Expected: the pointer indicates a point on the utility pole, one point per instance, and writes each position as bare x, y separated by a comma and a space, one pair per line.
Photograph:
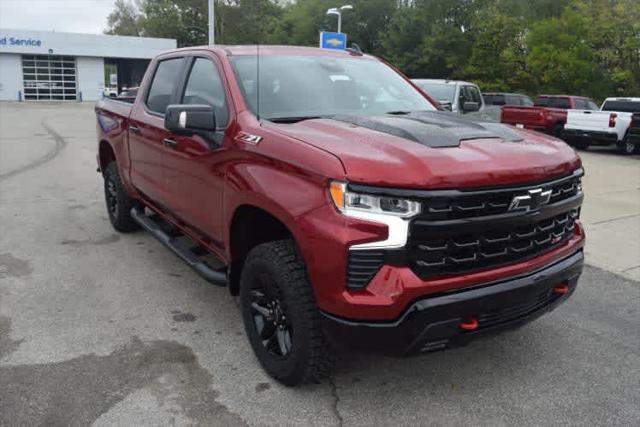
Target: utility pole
212, 24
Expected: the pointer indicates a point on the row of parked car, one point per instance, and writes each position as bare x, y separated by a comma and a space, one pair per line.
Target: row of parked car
576, 119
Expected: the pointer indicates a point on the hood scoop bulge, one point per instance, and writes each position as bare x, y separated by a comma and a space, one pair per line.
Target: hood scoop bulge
432, 129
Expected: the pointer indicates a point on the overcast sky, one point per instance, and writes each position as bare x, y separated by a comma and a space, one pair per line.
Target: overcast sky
74, 16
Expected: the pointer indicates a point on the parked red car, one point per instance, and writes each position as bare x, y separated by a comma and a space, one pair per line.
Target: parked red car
342, 207
548, 115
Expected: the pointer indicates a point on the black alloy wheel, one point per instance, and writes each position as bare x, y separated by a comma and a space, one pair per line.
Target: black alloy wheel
270, 317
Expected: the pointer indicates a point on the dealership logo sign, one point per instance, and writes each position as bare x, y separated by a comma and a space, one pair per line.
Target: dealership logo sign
531, 201
16, 41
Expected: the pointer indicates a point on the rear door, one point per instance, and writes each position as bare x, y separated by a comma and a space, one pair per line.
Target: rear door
193, 167
147, 132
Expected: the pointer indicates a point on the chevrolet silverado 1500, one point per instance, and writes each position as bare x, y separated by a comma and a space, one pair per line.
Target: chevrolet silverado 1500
610, 125
548, 115
329, 193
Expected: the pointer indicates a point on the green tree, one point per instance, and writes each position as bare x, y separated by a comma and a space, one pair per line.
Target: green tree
497, 59
124, 20
560, 57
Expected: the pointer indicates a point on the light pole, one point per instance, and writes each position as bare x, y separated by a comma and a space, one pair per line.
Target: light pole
212, 23
338, 11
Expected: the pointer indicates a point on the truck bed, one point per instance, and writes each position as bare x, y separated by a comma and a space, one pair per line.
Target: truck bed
535, 118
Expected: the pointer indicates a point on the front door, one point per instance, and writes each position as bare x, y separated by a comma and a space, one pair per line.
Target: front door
193, 167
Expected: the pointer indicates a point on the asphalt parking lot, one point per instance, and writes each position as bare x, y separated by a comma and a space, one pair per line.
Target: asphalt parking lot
98, 327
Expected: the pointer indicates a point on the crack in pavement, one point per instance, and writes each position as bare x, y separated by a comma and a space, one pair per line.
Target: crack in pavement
615, 219
336, 402
60, 143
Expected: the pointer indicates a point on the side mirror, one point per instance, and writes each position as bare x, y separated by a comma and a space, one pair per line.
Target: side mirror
185, 119
470, 107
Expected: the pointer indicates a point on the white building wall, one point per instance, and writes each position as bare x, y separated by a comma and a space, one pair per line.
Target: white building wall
10, 76
96, 45
90, 77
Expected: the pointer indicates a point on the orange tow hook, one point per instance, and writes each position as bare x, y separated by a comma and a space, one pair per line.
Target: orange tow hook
561, 289
470, 324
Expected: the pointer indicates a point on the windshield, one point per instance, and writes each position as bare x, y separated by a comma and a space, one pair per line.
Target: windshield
440, 91
622, 106
315, 86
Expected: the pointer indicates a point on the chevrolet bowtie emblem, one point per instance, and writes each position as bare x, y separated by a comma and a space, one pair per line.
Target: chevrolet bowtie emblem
531, 201
334, 42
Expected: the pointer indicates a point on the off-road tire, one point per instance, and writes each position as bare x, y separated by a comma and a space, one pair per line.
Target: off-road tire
309, 359
120, 214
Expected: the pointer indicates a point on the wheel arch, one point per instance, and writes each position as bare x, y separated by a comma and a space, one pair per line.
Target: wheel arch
251, 225
106, 155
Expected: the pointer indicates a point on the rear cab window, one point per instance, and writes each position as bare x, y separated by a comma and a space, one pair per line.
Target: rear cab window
553, 102
623, 106
494, 99
165, 79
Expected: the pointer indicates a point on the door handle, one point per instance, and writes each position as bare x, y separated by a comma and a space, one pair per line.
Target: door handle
134, 129
170, 142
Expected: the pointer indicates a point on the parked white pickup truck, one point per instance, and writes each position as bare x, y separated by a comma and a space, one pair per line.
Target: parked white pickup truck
607, 126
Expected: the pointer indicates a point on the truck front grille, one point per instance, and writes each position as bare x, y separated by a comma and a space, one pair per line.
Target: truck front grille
465, 231
471, 204
494, 245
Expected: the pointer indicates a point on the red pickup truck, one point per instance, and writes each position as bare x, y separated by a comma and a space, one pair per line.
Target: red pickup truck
343, 208
548, 115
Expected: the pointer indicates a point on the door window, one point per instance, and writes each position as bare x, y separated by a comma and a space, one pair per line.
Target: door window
204, 86
581, 104
513, 100
591, 105
164, 81
526, 101
469, 94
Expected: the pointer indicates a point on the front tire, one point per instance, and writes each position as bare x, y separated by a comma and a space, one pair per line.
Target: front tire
118, 202
280, 314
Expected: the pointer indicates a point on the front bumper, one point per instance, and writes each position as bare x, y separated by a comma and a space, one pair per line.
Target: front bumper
435, 322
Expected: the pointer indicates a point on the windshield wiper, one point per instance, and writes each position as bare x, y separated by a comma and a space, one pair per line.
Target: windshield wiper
293, 119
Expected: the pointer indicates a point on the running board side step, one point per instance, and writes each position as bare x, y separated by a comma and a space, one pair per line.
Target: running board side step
218, 278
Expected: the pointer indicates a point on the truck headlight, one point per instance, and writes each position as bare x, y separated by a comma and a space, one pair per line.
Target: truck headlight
392, 211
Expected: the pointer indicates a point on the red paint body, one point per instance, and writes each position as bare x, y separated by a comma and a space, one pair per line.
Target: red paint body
542, 119
287, 174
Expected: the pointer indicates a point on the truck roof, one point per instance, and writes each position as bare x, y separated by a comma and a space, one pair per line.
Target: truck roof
444, 81
623, 98
562, 96
238, 50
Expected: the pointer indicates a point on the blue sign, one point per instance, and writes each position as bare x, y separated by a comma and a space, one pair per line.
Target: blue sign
333, 40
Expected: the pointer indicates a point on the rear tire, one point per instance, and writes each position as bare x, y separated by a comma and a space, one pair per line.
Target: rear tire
280, 314
627, 147
118, 202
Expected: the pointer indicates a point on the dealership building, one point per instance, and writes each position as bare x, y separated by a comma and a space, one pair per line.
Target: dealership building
52, 66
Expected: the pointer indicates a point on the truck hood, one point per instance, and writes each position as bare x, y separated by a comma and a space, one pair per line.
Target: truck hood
434, 150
